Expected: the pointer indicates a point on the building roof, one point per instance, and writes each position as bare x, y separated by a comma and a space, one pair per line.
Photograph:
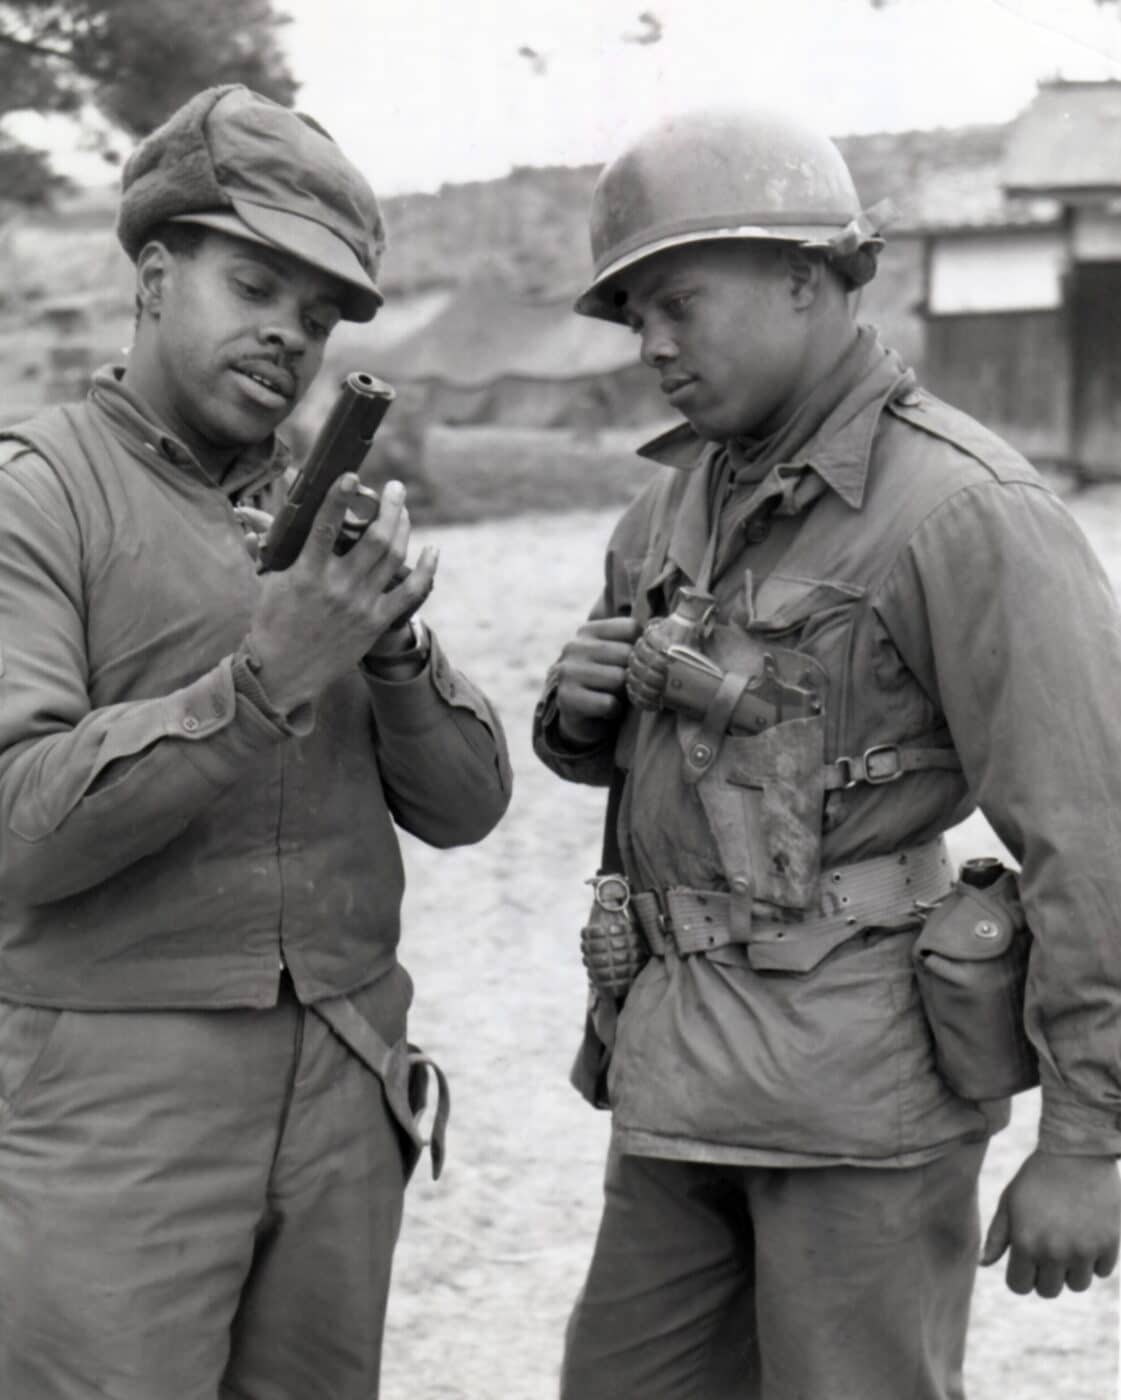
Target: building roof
943, 179
1067, 141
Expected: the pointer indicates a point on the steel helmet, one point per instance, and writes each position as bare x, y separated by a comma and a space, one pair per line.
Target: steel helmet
726, 173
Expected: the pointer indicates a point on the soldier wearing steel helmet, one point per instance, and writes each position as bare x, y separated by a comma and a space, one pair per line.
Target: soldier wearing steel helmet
841, 616
207, 1099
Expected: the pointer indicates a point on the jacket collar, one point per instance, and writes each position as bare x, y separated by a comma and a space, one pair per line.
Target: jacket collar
136, 425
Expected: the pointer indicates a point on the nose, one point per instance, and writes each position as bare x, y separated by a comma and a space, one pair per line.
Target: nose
658, 346
284, 331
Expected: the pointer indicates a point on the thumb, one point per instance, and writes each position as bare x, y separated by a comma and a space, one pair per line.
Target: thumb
996, 1241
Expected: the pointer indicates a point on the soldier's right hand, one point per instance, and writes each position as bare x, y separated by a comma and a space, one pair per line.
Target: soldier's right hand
592, 675
315, 620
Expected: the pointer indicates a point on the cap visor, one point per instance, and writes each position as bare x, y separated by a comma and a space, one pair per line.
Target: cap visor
302, 238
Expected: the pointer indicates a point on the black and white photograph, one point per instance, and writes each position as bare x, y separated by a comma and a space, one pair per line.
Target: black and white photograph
560, 760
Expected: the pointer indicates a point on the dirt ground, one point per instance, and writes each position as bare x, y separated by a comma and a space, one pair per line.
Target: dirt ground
492, 1255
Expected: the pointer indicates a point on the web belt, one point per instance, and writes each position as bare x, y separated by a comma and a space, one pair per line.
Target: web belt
877, 893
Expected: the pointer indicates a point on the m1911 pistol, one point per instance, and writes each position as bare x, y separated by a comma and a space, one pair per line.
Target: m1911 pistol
340, 446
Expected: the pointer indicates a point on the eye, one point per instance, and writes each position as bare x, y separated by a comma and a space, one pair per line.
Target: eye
252, 289
676, 304
320, 324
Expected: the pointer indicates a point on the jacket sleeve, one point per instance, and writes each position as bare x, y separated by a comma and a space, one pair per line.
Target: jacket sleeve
441, 753
85, 792
1003, 612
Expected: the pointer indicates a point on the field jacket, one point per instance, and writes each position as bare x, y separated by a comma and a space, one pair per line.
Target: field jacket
952, 603
164, 841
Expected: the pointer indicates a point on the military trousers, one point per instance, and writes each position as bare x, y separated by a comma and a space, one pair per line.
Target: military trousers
195, 1205
756, 1283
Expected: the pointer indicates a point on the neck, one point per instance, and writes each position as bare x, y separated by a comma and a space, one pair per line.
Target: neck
145, 379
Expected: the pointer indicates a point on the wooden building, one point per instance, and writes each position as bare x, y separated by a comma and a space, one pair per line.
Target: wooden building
1022, 300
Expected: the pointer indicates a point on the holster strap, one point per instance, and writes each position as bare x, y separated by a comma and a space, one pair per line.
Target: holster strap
883, 892
393, 1065
708, 739
884, 763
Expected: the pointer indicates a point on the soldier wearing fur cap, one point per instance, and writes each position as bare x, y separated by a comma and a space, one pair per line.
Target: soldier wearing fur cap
842, 616
207, 1100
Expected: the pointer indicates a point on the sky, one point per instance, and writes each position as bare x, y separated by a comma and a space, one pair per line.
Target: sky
423, 92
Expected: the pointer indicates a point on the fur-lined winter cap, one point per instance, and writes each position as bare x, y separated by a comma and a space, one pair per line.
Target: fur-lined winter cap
238, 162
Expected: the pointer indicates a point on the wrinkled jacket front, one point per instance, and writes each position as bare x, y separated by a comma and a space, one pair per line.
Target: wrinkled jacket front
163, 841
952, 603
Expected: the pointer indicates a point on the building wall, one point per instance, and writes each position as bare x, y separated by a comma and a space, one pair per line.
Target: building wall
1010, 370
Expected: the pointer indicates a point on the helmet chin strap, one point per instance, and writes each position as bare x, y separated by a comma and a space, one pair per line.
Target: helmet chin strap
854, 250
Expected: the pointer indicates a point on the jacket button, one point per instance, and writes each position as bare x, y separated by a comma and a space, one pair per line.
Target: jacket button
741, 886
700, 754
190, 723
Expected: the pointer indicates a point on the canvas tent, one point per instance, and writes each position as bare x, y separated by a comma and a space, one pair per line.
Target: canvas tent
491, 356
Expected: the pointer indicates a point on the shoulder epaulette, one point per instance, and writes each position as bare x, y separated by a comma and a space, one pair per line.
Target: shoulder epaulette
940, 420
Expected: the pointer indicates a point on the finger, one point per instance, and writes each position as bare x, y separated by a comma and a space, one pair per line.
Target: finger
250, 518
1105, 1263
613, 629
588, 704
610, 654
996, 1241
591, 675
378, 537
1079, 1276
1020, 1275
1049, 1278
328, 520
407, 596
641, 669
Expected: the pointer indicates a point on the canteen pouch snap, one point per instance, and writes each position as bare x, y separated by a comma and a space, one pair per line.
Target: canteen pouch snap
971, 963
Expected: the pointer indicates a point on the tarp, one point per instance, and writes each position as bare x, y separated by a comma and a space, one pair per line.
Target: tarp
486, 334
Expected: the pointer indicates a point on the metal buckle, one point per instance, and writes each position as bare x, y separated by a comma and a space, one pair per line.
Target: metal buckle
859, 770
879, 751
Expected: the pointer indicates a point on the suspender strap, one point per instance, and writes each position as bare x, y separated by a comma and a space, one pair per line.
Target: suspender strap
884, 763
394, 1066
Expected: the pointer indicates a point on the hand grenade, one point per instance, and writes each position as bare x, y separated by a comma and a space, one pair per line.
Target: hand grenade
611, 943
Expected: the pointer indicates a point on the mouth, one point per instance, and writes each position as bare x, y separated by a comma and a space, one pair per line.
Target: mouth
267, 383
675, 384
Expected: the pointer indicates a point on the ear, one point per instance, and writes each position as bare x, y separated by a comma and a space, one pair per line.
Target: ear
805, 275
152, 266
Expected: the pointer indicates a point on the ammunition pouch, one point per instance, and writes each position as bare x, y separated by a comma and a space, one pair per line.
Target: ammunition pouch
971, 962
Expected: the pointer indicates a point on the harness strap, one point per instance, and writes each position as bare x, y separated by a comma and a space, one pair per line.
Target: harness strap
882, 892
708, 739
884, 763
394, 1065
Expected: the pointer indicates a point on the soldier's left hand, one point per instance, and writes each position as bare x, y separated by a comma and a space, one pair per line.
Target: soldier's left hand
1059, 1218
646, 674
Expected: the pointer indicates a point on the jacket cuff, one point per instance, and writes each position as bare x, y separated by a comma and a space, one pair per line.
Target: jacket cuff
1072, 1127
550, 740
247, 684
